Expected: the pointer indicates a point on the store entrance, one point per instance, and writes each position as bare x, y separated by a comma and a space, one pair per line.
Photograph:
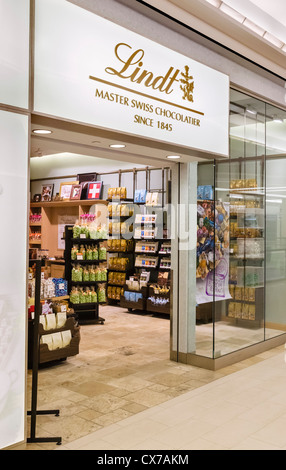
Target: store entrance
100, 227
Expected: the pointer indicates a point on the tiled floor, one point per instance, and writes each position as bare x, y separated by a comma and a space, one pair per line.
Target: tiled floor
123, 380
242, 411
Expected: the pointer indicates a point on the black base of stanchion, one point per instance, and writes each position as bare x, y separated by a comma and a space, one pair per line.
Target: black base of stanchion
58, 440
34, 440
45, 412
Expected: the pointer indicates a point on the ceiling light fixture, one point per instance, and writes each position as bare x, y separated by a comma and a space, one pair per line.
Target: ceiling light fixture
273, 40
215, 3
117, 146
253, 27
277, 119
173, 157
41, 131
250, 109
235, 15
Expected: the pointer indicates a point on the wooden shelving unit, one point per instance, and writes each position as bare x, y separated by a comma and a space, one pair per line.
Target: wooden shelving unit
52, 212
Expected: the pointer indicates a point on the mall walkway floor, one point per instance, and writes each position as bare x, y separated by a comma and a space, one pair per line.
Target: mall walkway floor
245, 410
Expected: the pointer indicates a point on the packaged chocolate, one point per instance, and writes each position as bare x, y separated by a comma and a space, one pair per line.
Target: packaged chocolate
251, 294
231, 309
251, 310
245, 311
237, 293
238, 310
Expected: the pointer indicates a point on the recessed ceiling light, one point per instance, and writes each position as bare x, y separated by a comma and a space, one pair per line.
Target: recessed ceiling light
250, 109
117, 146
41, 131
253, 27
232, 13
270, 38
174, 157
215, 3
277, 119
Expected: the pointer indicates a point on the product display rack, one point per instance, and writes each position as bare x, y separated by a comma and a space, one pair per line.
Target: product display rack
246, 282
115, 245
153, 252
84, 309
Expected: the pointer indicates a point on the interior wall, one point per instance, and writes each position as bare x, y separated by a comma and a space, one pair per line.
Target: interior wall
54, 169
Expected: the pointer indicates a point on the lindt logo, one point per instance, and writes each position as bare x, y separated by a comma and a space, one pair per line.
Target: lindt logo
133, 70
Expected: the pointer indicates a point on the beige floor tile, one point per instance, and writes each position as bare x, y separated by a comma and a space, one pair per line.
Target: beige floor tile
184, 433
134, 407
89, 414
169, 379
90, 388
97, 445
132, 435
118, 372
113, 417
273, 433
130, 383
232, 432
147, 397
254, 444
202, 444
105, 403
69, 428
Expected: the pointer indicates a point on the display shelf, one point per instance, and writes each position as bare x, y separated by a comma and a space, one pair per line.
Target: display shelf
121, 200
115, 285
81, 309
88, 240
46, 355
81, 202
86, 306
244, 311
87, 283
151, 307
140, 305
87, 261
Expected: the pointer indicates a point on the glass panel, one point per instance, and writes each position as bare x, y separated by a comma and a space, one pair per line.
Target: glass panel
239, 230
205, 265
275, 316
13, 269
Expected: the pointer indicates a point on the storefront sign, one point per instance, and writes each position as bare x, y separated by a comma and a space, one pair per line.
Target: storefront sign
91, 70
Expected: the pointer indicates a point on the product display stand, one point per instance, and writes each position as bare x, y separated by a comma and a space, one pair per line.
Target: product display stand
34, 412
84, 308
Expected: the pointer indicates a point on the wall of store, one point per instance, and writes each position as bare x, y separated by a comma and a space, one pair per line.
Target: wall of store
54, 169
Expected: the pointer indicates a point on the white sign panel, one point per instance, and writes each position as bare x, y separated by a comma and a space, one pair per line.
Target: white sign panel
14, 52
13, 271
91, 70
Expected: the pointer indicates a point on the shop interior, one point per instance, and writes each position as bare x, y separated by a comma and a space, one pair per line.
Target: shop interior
105, 280
106, 284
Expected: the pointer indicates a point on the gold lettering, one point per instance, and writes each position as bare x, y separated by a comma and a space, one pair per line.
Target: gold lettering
162, 83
